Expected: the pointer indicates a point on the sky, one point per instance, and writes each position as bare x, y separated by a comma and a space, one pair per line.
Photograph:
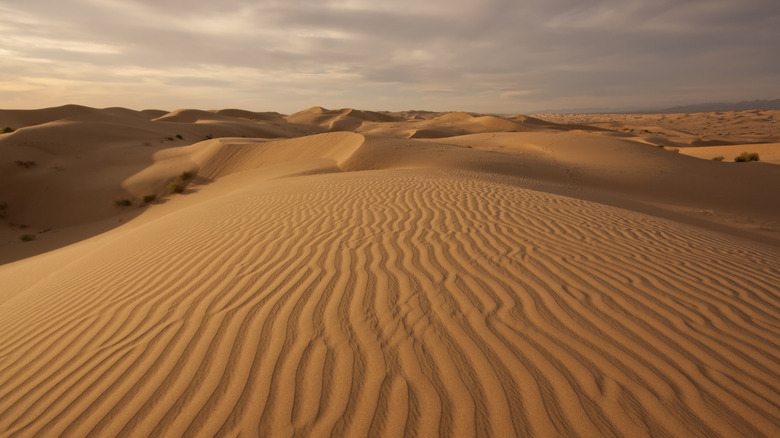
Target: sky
493, 56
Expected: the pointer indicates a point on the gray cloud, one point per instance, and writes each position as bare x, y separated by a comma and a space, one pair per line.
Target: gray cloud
494, 55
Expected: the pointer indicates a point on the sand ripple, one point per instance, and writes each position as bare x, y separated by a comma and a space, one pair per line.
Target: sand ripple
398, 302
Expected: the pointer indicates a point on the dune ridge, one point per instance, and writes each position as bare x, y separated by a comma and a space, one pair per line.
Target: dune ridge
556, 282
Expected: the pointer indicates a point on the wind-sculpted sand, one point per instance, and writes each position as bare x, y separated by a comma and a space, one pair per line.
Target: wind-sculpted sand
346, 284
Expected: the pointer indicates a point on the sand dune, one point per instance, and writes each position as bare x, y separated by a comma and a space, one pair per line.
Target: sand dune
697, 129
251, 115
420, 124
594, 165
20, 119
84, 159
346, 119
548, 281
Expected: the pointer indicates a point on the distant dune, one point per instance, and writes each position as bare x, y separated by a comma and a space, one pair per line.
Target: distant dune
726, 106
359, 273
703, 135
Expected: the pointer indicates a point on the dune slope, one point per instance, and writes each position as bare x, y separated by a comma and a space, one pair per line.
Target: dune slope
67, 167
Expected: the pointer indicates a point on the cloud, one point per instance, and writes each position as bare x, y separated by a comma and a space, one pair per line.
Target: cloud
492, 55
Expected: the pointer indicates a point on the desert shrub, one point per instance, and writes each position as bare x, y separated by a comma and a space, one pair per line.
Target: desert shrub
209, 137
675, 150
184, 176
8, 129
123, 202
745, 156
26, 164
27, 237
149, 198
719, 158
176, 187
169, 138
179, 137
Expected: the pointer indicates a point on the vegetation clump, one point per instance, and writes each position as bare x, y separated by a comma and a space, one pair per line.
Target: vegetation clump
185, 176
745, 156
25, 164
176, 187
719, 158
7, 130
149, 198
27, 237
123, 202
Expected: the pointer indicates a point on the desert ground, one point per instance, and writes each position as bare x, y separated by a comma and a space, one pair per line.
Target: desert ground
357, 273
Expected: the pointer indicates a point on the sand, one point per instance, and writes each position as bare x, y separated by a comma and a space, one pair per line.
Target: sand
357, 273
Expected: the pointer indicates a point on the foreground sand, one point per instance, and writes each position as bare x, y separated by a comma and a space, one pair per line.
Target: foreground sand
507, 277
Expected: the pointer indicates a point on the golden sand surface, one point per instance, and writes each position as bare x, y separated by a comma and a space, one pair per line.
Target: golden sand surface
359, 273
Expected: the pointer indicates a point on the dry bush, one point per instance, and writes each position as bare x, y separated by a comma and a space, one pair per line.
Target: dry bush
747, 156
176, 187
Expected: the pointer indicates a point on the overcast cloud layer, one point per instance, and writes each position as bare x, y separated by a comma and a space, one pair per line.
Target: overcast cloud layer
504, 56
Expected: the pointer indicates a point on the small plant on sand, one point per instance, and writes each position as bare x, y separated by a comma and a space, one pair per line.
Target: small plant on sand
719, 158
149, 198
185, 176
123, 202
176, 187
27, 237
745, 156
209, 137
179, 137
7, 130
25, 164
